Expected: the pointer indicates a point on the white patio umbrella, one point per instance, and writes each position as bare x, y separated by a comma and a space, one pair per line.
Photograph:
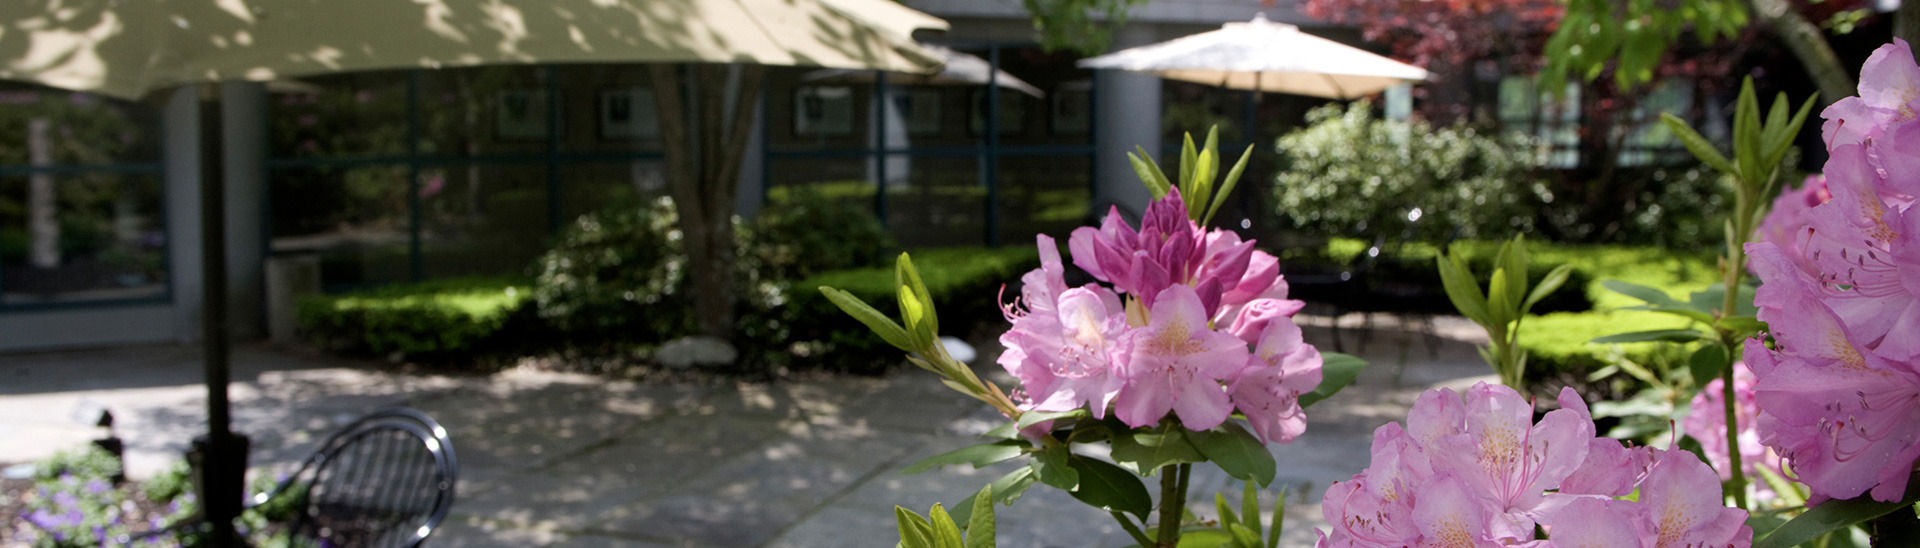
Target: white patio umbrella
130, 48
961, 69
1265, 56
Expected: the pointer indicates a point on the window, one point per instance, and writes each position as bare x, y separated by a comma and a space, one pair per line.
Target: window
81, 206
1554, 121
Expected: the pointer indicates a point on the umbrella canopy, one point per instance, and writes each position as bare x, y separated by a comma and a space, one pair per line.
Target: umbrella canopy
960, 70
128, 48
1262, 55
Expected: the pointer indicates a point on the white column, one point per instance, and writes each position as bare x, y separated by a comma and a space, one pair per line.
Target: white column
1127, 114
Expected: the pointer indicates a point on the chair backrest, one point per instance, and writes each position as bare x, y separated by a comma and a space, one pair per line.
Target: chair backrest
387, 480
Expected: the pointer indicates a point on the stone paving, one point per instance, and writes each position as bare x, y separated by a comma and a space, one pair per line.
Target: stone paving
550, 459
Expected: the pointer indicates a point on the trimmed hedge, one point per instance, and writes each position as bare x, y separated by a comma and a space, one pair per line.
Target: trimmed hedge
445, 319
965, 283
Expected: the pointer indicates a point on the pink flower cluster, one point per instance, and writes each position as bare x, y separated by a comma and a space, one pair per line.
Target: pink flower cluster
1839, 390
1473, 469
1197, 323
1707, 423
1786, 222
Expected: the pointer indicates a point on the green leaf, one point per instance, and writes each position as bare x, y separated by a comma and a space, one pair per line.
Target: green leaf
1461, 288
1499, 309
1150, 448
1834, 515
1004, 431
1226, 187
1109, 487
1698, 145
1031, 418
1549, 284
1149, 173
946, 534
1659, 301
1743, 324
1279, 520
980, 525
1004, 490
1243, 536
915, 532
1336, 372
906, 275
1237, 452
1656, 335
1205, 538
1202, 191
874, 320
915, 317
1746, 135
1250, 507
1707, 363
1710, 300
1789, 492
976, 455
1513, 259
1189, 159
1050, 465
1226, 514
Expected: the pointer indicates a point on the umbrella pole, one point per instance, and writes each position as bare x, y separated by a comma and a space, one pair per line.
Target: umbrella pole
219, 456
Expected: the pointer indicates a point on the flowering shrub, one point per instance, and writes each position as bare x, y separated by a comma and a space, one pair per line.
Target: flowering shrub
1184, 328
1839, 387
1473, 469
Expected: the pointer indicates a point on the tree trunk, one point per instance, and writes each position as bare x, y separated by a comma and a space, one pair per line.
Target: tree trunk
43, 223
1906, 22
1810, 46
703, 174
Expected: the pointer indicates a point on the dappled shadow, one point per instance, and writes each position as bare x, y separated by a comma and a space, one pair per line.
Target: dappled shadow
129, 48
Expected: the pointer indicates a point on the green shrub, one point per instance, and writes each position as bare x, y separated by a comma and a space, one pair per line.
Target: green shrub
1348, 173
617, 274
438, 320
965, 284
808, 233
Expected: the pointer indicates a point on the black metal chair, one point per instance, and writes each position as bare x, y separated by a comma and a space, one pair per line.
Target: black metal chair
386, 480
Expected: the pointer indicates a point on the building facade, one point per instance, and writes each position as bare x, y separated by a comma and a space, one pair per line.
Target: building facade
372, 178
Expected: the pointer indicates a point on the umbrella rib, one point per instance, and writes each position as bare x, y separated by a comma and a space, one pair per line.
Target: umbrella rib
1339, 91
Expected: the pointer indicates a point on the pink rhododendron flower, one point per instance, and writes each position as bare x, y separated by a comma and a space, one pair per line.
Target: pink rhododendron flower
1707, 423
1281, 368
1678, 507
1164, 251
1889, 94
1867, 256
1171, 336
1473, 470
1060, 347
1844, 418
1786, 222
1176, 364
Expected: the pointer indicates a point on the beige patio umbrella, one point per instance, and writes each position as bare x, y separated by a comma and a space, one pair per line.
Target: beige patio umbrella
129, 48
1265, 56
959, 69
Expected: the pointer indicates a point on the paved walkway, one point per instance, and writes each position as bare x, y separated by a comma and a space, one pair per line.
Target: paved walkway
552, 459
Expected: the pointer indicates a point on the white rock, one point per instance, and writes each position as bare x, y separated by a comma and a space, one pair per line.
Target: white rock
687, 352
959, 349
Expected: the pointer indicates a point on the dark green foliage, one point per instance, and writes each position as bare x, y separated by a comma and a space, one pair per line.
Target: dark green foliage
809, 233
617, 274
962, 282
442, 320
